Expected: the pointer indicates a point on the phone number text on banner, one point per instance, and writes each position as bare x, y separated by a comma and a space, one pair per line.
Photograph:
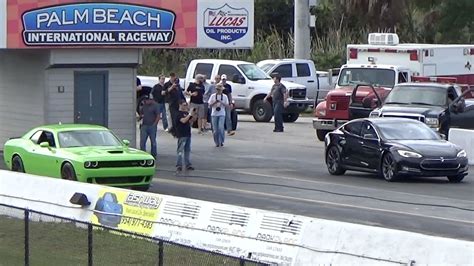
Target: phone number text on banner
125, 210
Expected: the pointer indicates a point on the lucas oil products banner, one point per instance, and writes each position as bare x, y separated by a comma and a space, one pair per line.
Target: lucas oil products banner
127, 210
129, 23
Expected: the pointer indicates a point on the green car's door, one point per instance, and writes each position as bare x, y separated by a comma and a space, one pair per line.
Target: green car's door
43, 160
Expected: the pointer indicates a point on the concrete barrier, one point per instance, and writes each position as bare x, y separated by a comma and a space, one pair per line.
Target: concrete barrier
279, 238
465, 139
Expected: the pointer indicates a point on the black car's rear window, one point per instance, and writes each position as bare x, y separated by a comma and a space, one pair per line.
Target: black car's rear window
406, 131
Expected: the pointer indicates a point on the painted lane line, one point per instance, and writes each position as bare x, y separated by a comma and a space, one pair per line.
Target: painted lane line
307, 200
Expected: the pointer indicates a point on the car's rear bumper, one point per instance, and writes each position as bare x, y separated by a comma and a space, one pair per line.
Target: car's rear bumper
118, 177
327, 124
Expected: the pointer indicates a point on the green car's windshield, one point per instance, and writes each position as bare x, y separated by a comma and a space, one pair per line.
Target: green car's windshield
85, 138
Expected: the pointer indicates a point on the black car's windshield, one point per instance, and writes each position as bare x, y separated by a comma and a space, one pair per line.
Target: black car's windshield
253, 72
420, 95
374, 76
407, 131
84, 138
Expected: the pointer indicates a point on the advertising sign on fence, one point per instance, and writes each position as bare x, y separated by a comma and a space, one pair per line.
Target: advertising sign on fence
128, 23
127, 210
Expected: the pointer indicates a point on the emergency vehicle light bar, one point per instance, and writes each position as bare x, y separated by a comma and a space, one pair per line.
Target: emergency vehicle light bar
383, 39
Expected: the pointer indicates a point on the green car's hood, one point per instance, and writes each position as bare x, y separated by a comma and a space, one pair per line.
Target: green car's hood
108, 153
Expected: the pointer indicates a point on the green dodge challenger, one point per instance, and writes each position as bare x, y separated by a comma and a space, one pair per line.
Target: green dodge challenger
85, 153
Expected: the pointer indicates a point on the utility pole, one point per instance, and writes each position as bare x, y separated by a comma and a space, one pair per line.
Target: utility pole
302, 39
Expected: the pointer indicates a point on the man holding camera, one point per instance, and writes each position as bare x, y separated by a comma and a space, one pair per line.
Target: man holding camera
196, 91
218, 102
174, 95
159, 94
184, 120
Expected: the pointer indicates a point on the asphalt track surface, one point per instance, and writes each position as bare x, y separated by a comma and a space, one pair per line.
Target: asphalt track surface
285, 172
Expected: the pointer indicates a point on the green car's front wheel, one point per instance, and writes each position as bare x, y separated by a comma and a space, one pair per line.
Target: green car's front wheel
17, 164
68, 172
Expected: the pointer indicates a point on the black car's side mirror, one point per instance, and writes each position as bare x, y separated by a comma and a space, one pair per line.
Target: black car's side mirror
369, 136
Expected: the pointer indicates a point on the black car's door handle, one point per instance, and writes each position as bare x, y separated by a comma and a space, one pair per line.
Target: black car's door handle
310, 81
361, 142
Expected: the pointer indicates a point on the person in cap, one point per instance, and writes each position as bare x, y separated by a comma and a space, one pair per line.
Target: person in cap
184, 120
150, 116
228, 92
218, 102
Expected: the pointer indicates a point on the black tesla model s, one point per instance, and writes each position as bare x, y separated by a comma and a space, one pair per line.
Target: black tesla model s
393, 148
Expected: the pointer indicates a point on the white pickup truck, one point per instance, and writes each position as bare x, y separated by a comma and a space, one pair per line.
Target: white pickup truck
250, 85
301, 71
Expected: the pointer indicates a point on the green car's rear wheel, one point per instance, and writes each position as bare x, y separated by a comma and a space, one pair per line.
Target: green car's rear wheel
17, 164
68, 172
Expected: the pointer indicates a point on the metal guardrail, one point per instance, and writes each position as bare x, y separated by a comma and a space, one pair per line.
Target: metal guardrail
55, 240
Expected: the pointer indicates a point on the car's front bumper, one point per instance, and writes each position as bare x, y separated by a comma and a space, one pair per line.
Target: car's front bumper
118, 176
420, 167
327, 124
298, 105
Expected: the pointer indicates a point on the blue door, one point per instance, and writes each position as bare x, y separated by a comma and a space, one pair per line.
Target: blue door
90, 101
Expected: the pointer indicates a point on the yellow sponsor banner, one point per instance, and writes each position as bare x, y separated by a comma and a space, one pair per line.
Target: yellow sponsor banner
126, 210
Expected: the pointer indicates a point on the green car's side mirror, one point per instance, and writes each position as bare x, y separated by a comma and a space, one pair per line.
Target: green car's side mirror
44, 144
126, 142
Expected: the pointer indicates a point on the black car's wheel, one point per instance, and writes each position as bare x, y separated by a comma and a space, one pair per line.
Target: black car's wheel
141, 188
290, 117
389, 168
262, 111
17, 164
321, 134
455, 178
68, 172
333, 161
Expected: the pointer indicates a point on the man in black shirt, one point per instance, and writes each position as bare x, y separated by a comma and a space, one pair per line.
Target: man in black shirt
159, 94
173, 96
184, 120
196, 91
228, 109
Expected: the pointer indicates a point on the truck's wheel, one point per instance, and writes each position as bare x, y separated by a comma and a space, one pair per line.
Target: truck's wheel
290, 117
262, 111
321, 134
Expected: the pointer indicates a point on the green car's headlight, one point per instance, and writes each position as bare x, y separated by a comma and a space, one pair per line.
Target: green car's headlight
91, 164
150, 162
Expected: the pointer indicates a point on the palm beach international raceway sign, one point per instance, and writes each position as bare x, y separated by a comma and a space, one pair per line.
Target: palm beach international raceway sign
129, 23
98, 23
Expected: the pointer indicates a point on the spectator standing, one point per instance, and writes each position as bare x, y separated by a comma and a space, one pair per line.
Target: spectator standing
159, 95
174, 94
205, 99
183, 133
279, 97
196, 91
228, 109
218, 102
209, 91
150, 116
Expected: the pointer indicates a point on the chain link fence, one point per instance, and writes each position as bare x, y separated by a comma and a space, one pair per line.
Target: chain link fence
28, 237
